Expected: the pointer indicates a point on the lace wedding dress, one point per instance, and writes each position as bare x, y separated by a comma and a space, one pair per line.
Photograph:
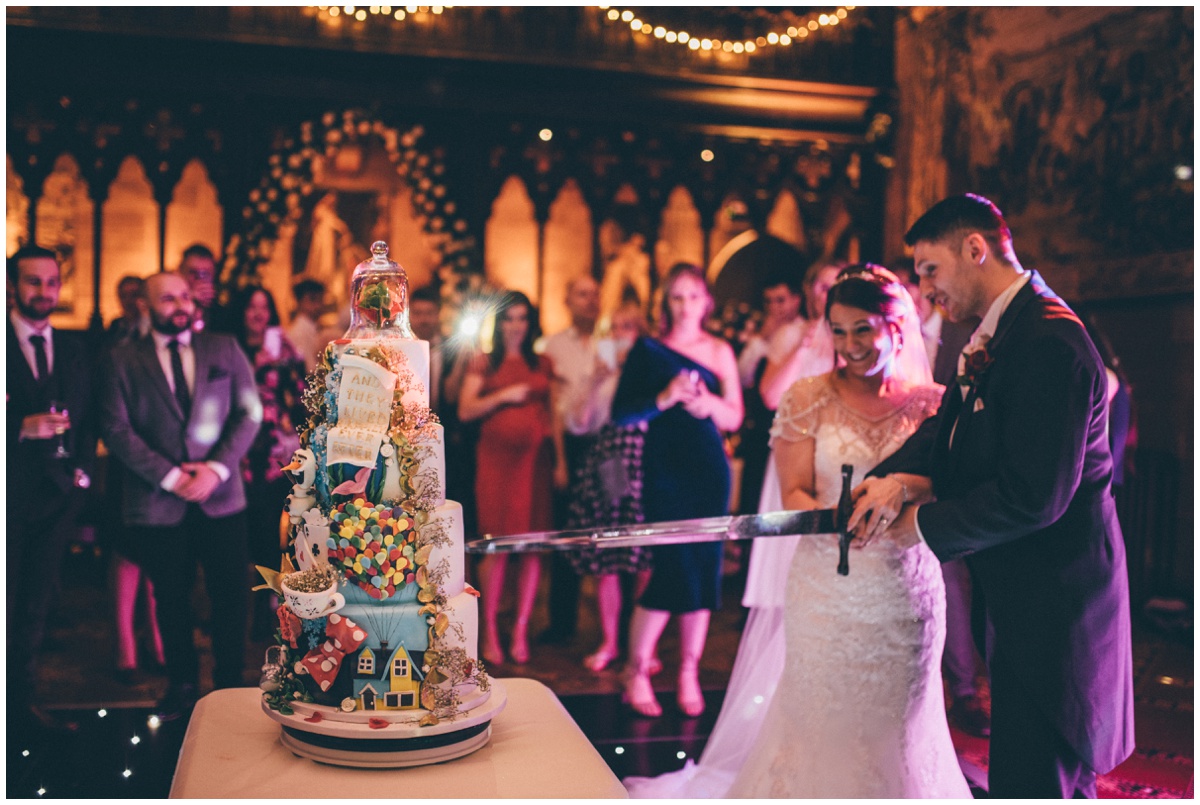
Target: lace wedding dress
858, 711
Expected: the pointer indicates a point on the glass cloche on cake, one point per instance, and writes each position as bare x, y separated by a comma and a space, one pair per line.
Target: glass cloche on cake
379, 298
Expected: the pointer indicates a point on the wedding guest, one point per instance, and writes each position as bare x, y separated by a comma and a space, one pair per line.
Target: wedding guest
199, 267
802, 348
1122, 429
1022, 472
782, 300
424, 316
509, 390
51, 447
606, 489
462, 438
131, 324
279, 376
180, 410
128, 581
572, 354
304, 332
685, 387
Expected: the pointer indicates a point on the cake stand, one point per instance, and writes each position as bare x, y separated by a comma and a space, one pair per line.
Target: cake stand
349, 739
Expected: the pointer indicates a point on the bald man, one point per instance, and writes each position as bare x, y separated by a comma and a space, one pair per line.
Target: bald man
179, 411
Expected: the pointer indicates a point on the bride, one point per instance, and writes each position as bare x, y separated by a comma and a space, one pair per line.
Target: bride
856, 658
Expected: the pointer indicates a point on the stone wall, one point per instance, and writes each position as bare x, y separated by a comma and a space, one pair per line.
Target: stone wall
1078, 123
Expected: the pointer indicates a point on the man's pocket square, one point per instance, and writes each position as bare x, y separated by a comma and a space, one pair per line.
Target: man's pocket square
978, 405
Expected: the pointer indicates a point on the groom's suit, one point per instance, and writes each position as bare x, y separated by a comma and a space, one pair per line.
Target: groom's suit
1023, 492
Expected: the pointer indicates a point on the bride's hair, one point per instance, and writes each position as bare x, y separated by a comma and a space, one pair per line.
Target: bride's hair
876, 290
872, 288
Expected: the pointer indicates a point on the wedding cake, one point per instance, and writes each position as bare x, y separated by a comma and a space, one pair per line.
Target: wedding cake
375, 662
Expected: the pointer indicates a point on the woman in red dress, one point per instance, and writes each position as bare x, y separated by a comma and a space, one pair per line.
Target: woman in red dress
508, 390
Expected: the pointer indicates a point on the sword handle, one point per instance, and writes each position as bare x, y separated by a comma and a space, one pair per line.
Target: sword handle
844, 509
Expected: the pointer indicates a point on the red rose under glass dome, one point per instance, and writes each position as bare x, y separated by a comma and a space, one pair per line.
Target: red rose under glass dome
379, 298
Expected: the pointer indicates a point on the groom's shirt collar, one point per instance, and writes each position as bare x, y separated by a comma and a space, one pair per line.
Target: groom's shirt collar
991, 319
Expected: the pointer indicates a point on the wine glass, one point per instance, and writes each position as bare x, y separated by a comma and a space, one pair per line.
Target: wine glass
60, 449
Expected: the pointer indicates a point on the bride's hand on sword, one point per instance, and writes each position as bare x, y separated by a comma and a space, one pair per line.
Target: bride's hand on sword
877, 502
880, 510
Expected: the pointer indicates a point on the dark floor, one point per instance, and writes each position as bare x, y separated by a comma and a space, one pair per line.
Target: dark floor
118, 754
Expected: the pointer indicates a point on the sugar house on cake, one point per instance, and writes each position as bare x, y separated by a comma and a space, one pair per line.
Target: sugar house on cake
387, 679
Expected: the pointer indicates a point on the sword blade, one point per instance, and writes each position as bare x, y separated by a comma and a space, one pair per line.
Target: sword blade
674, 532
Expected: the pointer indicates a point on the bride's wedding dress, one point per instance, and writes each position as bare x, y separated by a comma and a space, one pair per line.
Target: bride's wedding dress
858, 711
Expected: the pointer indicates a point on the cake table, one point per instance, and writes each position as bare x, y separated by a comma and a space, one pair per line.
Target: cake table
536, 750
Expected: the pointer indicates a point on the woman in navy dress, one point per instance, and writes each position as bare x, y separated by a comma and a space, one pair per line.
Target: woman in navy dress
685, 387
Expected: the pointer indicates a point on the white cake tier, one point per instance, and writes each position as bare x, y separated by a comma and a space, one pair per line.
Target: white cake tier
463, 610
415, 352
431, 479
450, 517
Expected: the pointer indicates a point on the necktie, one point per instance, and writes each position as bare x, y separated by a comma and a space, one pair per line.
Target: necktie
181, 389
39, 356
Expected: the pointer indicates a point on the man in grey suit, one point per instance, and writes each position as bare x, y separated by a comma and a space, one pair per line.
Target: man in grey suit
179, 410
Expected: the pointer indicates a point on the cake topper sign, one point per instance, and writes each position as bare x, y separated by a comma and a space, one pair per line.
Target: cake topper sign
364, 412
365, 395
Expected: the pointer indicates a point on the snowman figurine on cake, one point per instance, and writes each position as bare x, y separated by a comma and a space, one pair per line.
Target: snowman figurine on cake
378, 630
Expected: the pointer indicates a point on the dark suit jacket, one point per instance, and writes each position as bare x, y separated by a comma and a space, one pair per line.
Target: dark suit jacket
1024, 494
144, 427
30, 466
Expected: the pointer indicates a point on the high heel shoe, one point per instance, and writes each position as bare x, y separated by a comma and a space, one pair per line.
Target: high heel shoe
639, 695
518, 649
599, 660
689, 696
493, 655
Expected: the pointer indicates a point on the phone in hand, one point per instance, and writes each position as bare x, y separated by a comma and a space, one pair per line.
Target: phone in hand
273, 342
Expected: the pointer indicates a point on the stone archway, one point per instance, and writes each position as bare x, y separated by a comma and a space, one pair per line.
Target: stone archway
287, 192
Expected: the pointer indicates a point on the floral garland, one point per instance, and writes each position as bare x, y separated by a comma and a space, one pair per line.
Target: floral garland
281, 193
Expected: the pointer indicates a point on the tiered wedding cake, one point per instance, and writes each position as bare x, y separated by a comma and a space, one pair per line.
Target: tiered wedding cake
376, 663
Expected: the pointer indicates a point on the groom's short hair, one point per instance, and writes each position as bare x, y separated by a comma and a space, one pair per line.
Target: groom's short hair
963, 214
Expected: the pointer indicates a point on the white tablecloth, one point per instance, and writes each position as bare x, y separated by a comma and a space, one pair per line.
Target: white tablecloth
232, 749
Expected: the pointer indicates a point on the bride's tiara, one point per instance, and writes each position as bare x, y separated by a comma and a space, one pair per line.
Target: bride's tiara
870, 272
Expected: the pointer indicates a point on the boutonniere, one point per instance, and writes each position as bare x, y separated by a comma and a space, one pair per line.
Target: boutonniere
975, 363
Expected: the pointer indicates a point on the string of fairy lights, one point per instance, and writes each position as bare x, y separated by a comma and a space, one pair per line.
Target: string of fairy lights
397, 13
780, 36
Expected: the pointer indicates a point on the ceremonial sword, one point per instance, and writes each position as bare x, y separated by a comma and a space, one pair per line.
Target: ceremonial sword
679, 532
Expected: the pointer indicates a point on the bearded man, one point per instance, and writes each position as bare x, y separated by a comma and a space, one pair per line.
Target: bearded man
180, 409
51, 445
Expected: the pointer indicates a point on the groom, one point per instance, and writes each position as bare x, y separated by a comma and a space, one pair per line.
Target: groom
1021, 474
